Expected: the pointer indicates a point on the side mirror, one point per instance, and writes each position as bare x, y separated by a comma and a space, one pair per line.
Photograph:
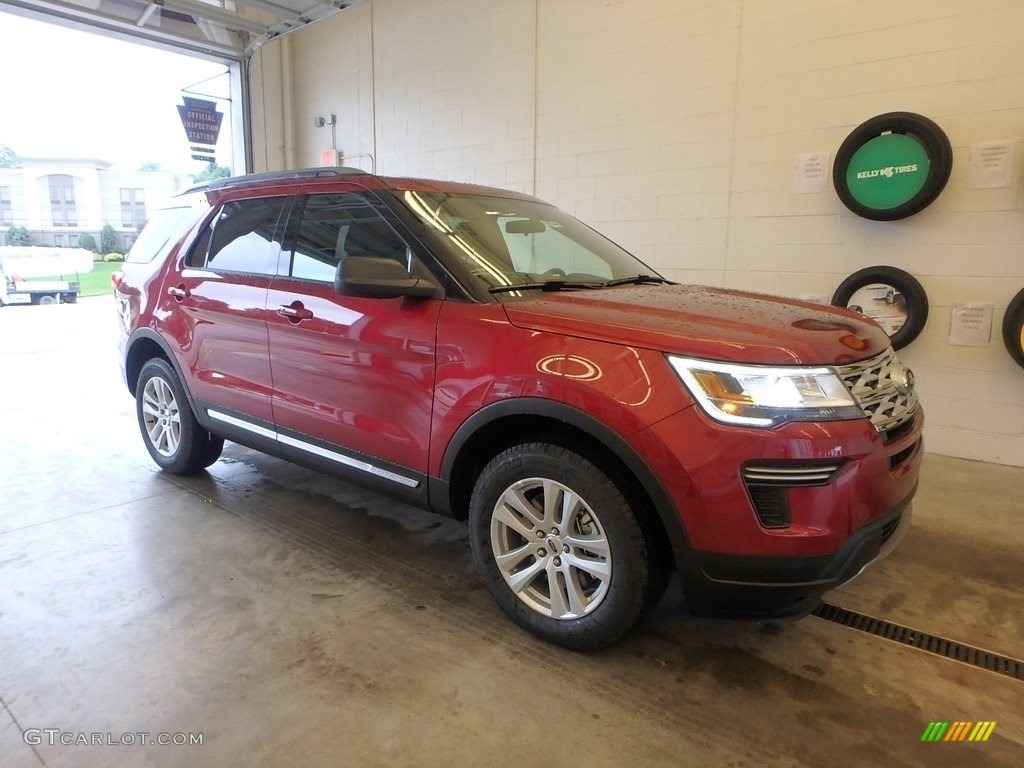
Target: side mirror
379, 278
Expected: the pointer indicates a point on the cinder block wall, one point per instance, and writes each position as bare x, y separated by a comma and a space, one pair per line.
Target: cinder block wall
672, 125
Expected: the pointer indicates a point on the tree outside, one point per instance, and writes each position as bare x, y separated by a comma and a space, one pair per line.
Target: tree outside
7, 157
211, 172
87, 241
108, 239
18, 236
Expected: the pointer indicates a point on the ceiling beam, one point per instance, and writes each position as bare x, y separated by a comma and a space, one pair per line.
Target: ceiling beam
84, 18
203, 11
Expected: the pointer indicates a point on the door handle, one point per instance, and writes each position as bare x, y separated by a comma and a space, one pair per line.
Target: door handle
295, 311
179, 292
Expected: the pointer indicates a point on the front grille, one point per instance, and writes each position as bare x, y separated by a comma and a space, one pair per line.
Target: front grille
895, 433
878, 386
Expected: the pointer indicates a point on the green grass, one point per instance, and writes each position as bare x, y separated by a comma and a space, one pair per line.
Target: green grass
95, 283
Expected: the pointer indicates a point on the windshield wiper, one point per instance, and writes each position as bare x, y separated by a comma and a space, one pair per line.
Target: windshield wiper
547, 285
637, 280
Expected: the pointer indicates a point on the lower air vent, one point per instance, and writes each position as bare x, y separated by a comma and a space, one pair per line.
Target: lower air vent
771, 505
890, 528
898, 458
768, 486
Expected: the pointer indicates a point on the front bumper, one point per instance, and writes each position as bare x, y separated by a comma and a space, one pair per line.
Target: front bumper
738, 564
787, 587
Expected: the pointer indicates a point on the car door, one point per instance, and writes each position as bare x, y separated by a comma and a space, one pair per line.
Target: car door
218, 303
353, 377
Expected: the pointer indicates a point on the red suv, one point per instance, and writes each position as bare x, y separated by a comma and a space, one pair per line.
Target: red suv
484, 355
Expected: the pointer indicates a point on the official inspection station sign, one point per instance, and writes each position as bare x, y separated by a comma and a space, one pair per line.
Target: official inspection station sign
201, 121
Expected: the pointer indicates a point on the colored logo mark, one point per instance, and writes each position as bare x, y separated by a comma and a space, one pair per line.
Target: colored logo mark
958, 731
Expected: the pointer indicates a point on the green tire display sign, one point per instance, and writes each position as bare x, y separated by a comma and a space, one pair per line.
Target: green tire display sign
892, 166
888, 171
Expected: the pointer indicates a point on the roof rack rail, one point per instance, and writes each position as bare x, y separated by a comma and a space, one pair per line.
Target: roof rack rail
300, 173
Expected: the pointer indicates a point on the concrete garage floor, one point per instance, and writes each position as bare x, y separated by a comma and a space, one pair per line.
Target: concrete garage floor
294, 620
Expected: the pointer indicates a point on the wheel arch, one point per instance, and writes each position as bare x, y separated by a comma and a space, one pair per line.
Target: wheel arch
500, 425
145, 344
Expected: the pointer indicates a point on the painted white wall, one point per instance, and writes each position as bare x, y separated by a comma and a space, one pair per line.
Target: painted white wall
672, 126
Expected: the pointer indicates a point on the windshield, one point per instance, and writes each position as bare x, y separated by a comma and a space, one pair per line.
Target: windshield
508, 242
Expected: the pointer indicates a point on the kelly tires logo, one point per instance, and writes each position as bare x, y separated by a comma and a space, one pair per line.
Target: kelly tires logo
888, 172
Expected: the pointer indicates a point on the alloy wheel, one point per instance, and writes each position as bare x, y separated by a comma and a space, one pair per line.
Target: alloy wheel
551, 548
161, 416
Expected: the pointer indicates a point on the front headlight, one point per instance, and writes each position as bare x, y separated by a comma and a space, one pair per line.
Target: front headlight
761, 396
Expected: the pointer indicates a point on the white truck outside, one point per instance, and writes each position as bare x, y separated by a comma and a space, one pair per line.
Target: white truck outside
21, 266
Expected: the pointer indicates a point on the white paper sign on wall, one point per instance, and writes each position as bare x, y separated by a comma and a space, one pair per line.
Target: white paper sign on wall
991, 165
810, 173
971, 325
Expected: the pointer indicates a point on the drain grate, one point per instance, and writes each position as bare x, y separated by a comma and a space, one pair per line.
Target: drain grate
914, 638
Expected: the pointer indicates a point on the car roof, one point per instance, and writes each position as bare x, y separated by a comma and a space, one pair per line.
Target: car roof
296, 181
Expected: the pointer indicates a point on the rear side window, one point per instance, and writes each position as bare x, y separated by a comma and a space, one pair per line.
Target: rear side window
335, 226
243, 237
161, 233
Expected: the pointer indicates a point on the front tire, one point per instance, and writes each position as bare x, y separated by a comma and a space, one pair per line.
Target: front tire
173, 437
558, 546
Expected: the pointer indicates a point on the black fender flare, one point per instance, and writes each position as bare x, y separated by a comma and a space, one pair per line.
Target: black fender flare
150, 335
633, 461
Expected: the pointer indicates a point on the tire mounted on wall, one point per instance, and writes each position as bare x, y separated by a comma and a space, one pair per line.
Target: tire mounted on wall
1013, 328
913, 298
932, 138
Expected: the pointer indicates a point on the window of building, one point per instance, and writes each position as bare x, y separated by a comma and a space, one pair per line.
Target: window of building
243, 237
6, 211
133, 207
62, 200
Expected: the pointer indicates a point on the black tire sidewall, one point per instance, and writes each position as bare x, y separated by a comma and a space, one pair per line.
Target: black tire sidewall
622, 605
904, 283
194, 444
936, 145
1013, 325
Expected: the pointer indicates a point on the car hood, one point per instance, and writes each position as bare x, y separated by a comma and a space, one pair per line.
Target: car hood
709, 323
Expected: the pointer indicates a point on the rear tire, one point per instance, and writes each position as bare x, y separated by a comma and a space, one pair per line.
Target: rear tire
173, 437
46, 300
559, 547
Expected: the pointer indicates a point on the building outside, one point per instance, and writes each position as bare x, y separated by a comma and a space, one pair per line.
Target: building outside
58, 199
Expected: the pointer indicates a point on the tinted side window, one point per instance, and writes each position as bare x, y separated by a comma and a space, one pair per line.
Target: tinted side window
243, 237
161, 232
197, 256
335, 226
